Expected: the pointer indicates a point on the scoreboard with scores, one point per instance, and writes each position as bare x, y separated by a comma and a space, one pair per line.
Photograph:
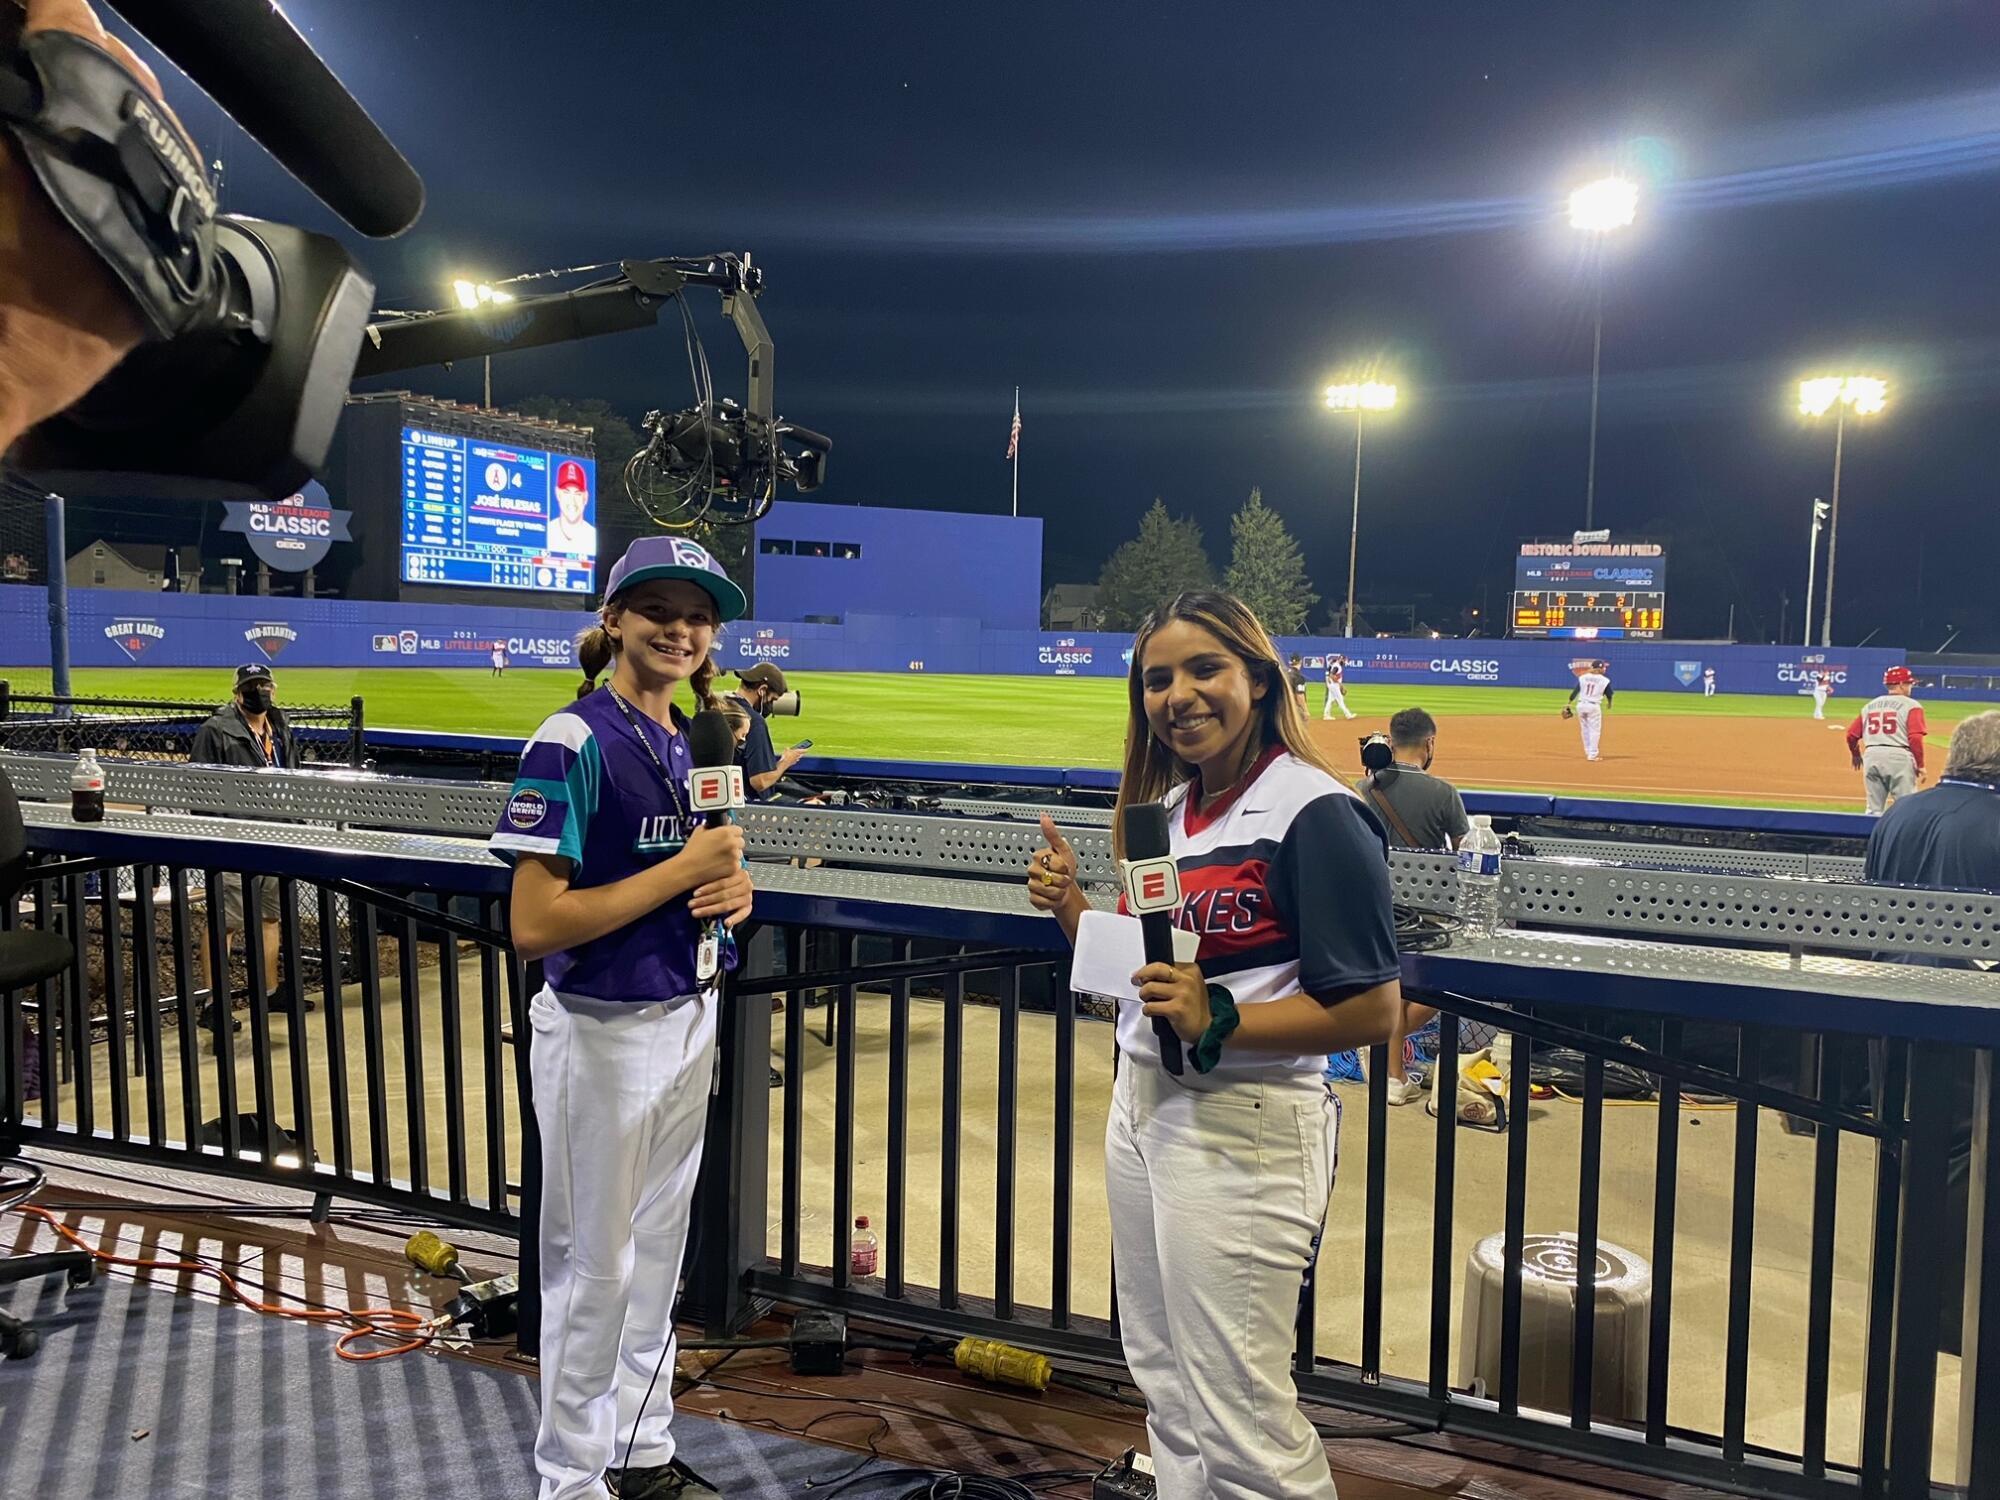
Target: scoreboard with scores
1569, 613
489, 514
1590, 587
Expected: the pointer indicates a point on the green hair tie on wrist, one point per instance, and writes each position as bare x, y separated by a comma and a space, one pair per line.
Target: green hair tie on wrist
1222, 1021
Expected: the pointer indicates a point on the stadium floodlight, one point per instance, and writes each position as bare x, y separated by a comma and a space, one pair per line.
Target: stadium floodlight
1598, 208
1864, 395
1371, 395
472, 295
1608, 203
1358, 397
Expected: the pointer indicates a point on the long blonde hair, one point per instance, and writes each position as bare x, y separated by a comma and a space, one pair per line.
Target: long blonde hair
597, 649
1151, 769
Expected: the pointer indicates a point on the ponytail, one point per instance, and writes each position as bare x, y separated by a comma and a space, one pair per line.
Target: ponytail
703, 682
593, 654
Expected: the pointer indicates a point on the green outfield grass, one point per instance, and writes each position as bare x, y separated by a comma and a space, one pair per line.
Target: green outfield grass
1031, 721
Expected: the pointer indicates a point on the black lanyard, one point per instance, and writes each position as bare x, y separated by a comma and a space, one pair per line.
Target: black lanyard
666, 776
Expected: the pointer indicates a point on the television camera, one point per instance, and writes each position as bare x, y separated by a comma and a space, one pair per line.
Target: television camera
255, 329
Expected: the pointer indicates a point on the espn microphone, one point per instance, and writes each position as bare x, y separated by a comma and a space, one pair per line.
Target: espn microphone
1152, 893
715, 789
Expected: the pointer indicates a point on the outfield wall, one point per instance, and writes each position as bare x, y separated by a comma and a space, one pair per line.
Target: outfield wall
113, 628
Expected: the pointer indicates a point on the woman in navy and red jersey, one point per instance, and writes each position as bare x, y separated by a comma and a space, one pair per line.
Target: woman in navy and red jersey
1284, 874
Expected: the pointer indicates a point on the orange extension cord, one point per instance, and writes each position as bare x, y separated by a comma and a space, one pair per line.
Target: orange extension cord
411, 1330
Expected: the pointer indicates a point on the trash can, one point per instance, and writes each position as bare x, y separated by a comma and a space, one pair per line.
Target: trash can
1624, 1293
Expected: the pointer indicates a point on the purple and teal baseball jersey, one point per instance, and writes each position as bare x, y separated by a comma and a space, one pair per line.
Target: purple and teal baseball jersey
588, 793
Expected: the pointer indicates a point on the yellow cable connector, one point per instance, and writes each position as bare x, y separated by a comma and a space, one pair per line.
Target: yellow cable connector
989, 1359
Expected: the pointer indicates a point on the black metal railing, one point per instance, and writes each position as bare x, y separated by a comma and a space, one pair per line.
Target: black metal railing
380, 1067
150, 728
952, 1092
1375, 1335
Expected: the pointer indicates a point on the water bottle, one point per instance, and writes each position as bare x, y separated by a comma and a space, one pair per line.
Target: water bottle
864, 1251
1479, 879
86, 789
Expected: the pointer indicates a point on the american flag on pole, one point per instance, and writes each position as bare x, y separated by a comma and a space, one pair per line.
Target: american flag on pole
1014, 432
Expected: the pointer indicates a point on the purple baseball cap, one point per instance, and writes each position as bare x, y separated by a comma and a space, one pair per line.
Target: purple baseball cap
676, 557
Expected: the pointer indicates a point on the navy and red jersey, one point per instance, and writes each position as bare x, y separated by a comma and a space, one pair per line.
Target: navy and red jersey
1286, 880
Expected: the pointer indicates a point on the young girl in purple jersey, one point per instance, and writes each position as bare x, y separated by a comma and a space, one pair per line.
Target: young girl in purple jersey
614, 875
1284, 874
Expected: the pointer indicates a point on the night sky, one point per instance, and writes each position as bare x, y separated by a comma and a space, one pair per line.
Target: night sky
1172, 225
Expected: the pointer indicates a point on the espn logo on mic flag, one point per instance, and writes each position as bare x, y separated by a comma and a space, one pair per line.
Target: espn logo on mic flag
712, 788
1151, 885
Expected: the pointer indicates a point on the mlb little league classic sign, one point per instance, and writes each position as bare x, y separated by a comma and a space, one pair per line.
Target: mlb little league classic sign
292, 534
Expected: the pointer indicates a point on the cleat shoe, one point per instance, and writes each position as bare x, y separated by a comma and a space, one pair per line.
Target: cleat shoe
674, 1481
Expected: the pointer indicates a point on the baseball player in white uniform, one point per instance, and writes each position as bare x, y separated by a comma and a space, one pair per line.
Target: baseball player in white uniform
1708, 682
1336, 677
1822, 687
1586, 704
1886, 741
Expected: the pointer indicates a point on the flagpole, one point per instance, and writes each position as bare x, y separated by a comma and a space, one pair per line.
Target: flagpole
1017, 453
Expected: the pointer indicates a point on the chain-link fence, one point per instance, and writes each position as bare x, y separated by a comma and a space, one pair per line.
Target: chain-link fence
152, 729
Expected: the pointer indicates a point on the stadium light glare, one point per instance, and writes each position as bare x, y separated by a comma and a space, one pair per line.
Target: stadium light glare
1864, 395
1608, 203
1372, 395
1598, 208
471, 295
1359, 397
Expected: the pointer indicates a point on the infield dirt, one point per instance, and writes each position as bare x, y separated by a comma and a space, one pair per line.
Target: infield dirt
1647, 758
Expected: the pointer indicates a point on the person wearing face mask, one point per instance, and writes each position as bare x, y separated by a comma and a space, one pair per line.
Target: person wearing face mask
249, 733
1285, 877
763, 766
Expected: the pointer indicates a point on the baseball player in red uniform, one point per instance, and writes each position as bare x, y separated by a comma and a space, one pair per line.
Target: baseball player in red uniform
1886, 741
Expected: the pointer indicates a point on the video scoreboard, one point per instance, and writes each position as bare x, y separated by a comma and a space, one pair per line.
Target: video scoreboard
489, 514
1590, 588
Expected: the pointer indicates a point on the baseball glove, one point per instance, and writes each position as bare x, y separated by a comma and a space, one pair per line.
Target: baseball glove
1569, 713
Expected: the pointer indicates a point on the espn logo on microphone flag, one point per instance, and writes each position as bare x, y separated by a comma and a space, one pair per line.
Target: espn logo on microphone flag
714, 787
1151, 885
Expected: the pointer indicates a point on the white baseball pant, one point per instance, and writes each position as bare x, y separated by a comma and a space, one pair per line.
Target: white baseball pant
1590, 721
1207, 1319
1708, 687
1888, 774
1334, 695
621, 1095
1819, 703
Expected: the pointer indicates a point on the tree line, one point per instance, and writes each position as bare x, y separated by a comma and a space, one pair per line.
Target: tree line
1266, 569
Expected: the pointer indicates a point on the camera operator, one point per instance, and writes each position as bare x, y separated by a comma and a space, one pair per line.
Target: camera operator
65, 321
763, 767
1421, 811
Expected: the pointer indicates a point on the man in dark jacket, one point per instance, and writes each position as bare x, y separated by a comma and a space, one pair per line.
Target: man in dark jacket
250, 733
1948, 838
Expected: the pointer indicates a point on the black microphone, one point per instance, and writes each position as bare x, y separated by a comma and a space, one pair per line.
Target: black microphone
715, 789
1152, 894
248, 58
